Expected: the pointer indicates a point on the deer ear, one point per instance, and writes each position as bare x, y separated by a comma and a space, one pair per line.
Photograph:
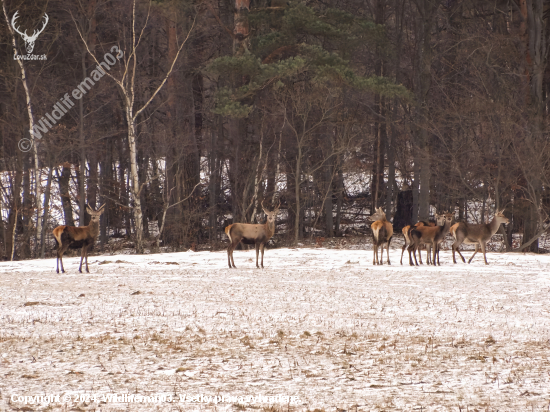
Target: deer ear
101, 209
89, 210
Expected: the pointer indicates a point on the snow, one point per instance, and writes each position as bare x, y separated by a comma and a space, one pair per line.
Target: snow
324, 325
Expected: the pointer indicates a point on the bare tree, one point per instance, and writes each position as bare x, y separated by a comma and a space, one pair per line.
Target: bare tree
33, 141
127, 85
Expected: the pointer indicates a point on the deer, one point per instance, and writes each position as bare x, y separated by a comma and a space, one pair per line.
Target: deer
251, 234
29, 40
382, 232
81, 237
476, 234
406, 234
431, 236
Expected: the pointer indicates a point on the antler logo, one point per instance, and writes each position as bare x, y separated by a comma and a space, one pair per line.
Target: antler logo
29, 40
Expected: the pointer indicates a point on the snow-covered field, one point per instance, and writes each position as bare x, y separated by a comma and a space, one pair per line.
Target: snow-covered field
322, 325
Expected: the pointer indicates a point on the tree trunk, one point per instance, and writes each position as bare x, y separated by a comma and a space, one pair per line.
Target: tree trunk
82, 152
134, 179
297, 181
46, 212
213, 182
64, 191
535, 34
329, 221
15, 207
392, 138
339, 197
37, 171
105, 191
422, 81
25, 215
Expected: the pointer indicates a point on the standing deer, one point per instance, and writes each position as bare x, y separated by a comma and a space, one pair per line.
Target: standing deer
431, 236
251, 234
77, 237
406, 234
477, 235
382, 232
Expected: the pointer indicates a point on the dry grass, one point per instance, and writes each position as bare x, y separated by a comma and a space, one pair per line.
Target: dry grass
341, 339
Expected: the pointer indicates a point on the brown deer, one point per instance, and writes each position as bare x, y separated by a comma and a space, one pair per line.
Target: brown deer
406, 234
77, 237
477, 235
430, 236
382, 232
251, 234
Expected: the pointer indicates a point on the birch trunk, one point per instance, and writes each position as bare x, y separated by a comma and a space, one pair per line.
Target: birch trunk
134, 179
257, 181
82, 154
37, 172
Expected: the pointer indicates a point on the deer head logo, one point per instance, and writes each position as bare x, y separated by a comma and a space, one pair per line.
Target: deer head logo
29, 40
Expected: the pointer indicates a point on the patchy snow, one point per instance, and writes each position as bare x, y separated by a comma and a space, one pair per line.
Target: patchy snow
324, 325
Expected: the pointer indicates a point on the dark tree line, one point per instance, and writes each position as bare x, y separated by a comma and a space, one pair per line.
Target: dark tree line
334, 107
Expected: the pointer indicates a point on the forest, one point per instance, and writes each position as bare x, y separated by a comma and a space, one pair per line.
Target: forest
183, 116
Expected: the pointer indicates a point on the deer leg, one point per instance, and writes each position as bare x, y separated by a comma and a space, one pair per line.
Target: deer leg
436, 253
57, 261
232, 254
233, 246
477, 249
87, 270
60, 252
81, 258
454, 249
229, 255
412, 250
263, 248
483, 250
388, 251
456, 244
230, 250
257, 253
403, 251
463, 260
415, 247
428, 255
374, 252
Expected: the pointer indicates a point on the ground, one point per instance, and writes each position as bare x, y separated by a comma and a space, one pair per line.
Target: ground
322, 325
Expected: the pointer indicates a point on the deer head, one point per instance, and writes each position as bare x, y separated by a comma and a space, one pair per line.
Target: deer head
95, 214
29, 40
499, 216
378, 215
271, 215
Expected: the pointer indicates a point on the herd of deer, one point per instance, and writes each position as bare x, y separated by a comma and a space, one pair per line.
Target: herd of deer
421, 234
432, 234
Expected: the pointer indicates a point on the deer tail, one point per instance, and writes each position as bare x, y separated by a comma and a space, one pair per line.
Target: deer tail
228, 233
57, 236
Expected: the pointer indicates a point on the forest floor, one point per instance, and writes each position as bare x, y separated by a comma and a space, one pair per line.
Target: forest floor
317, 329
